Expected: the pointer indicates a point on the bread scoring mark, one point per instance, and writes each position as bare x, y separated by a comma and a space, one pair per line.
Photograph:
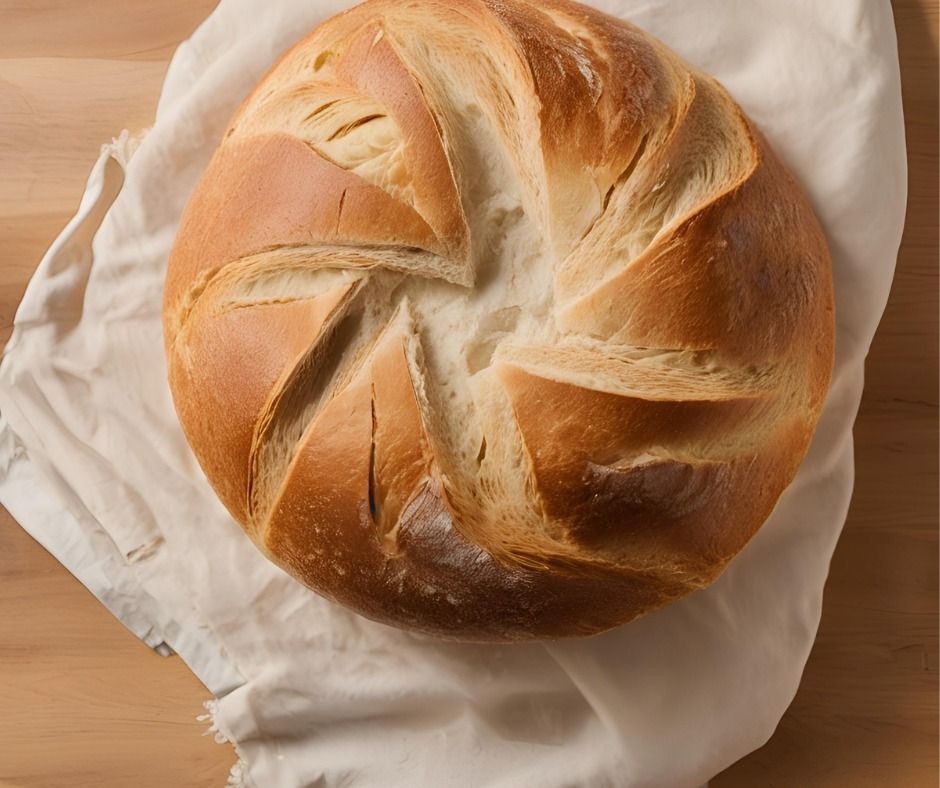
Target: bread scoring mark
373, 503
295, 400
276, 260
235, 272
481, 454
339, 212
319, 110
355, 124
176, 317
621, 182
646, 373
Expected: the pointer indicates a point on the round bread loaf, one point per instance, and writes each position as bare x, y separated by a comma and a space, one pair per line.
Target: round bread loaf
496, 320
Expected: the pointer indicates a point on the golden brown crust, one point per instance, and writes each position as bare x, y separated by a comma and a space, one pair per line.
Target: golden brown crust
212, 375
273, 190
596, 474
496, 320
401, 459
375, 68
777, 265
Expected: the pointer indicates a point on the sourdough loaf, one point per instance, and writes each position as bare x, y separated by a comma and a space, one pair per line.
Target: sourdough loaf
497, 320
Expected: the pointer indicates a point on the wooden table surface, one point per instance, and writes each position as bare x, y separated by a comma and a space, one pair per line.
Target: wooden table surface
84, 703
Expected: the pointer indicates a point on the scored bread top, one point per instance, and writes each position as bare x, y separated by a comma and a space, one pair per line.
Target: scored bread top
497, 320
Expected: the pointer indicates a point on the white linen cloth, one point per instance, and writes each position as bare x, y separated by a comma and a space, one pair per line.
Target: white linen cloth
94, 465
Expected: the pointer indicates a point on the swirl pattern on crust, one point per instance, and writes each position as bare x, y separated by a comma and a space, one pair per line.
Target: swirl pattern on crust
497, 320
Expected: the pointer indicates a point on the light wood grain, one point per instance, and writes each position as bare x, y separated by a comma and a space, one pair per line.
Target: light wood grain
82, 702
86, 704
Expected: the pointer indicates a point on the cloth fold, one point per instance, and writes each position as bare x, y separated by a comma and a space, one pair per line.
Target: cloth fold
95, 466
